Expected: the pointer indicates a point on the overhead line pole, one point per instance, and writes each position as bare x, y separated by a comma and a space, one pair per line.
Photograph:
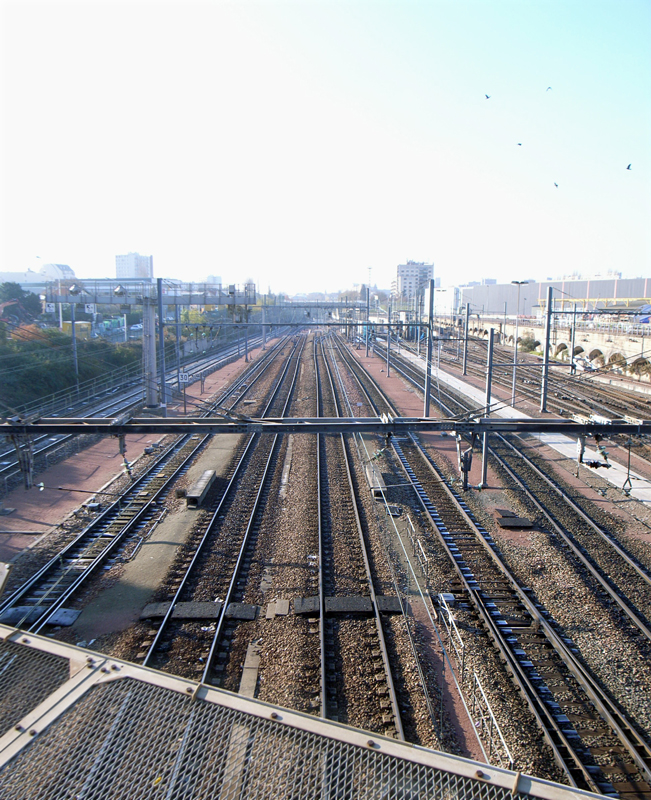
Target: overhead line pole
389, 341
368, 316
428, 370
178, 346
545, 369
517, 329
465, 340
573, 343
161, 346
74, 344
489, 376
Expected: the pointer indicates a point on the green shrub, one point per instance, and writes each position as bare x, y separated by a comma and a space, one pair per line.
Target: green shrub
527, 343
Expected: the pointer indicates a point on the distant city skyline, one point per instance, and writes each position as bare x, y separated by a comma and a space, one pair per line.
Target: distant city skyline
36, 266
490, 138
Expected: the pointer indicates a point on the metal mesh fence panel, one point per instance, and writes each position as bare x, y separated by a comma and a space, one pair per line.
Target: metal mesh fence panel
128, 739
27, 677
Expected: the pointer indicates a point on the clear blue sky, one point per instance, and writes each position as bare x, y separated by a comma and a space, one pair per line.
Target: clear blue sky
300, 143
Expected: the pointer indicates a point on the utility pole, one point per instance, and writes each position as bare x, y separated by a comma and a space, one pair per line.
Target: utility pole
428, 369
246, 334
465, 340
389, 341
178, 346
545, 369
573, 345
264, 329
368, 315
489, 377
515, 353
74, 344
149, 351
161, 346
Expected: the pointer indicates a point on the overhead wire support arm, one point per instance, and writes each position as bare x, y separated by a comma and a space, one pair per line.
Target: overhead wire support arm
469, 424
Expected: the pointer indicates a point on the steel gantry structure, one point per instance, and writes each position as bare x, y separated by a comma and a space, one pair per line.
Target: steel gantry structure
155, 296
21, 432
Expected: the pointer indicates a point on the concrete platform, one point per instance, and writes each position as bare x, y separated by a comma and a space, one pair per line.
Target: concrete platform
616, 475
121, 605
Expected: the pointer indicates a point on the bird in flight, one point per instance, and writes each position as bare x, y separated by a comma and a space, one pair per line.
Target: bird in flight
488, 97
556, 185
519, 144
548, 88
629, 167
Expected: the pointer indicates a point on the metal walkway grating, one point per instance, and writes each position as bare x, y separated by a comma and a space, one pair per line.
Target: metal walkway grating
110, 729
27, 677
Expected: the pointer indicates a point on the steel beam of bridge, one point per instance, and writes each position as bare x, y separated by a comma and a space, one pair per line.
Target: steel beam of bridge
395, 426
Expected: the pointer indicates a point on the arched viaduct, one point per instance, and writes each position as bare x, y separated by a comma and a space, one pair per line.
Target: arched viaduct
623, 347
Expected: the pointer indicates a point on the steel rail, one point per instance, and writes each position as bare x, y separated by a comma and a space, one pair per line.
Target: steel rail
556, 730
254, 513
320, 533
594, 569
360, 532
641, 572
639, 406
557, 385
226, 497
96, 531
135, 520
115, 406
554, 735
624, 729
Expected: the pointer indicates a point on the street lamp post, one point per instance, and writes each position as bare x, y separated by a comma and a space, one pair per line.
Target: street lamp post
515, 356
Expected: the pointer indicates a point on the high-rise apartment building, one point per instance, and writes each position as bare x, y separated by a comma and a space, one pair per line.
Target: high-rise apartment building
412, 279
133, 265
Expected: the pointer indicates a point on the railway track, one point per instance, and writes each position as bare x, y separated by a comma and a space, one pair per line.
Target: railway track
345, 572
44, 447
567, 395
596, 745
629, 582
214, 564
34, 604
626, 581
574, 713
354, 679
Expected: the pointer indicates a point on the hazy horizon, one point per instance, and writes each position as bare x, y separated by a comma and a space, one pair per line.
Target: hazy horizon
300, 144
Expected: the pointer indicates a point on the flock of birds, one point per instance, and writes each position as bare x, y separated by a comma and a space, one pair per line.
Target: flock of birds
549, 88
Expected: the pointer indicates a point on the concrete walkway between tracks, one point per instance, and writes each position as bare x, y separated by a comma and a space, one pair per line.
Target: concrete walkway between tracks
615, 475
120, 605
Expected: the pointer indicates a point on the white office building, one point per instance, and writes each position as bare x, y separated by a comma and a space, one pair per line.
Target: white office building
412, 278
133, 265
